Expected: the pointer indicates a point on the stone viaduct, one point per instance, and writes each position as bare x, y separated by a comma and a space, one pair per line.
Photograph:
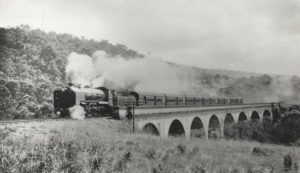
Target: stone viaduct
204, 122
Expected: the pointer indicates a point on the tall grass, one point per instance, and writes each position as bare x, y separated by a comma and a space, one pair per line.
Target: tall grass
102, 145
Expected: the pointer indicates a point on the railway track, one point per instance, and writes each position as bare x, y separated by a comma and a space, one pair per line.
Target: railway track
15, 121
2, 122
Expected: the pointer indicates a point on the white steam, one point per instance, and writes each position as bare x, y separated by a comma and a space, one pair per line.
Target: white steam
141, 74
87, 90
77, 112
80, 69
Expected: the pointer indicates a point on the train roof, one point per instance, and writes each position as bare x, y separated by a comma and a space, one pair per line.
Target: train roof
99, 91
179, 95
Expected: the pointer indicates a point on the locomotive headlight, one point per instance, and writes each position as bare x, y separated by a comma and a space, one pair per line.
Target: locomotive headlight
58, 113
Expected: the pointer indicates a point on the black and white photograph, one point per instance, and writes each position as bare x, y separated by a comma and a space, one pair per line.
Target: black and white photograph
139, 86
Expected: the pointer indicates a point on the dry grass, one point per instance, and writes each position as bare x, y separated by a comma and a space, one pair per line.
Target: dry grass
103, 145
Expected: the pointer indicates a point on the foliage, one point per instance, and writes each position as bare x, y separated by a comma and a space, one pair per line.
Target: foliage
288, 131
13, 87
248, 130
46, 109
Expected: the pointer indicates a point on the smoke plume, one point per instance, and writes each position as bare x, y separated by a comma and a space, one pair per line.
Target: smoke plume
141, 74
80, 69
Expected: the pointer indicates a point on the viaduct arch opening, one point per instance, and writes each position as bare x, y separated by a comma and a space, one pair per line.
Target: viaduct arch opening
176, 129
228, 122
151, 129
254, 116
242, 117
267, 114
214, 128
197, 128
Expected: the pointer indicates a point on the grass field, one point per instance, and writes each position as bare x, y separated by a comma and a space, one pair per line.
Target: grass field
106, 145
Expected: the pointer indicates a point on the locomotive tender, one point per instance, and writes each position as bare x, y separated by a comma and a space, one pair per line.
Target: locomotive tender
102, 101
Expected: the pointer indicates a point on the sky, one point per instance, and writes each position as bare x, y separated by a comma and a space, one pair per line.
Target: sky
260, 36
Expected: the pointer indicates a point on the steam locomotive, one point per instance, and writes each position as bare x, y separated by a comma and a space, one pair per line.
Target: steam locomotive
102, 101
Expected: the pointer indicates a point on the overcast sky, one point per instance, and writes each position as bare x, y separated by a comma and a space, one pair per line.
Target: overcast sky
249, 35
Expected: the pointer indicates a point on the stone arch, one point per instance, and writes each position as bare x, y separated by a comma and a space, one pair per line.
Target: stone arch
228, 122
176, 128
267, 114
151, 129
214, 127
242, 117
197, 128
254, 116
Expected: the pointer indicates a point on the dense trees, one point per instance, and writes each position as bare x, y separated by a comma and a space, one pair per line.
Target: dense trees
248, 130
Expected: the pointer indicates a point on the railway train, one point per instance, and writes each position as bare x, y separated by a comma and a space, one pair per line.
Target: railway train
102, 101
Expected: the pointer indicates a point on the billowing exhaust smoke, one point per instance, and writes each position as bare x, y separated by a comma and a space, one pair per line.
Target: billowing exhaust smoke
80, 69
141, 74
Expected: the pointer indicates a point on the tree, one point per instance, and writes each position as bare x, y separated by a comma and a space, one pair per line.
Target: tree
266, 80
4, 92
2, 82
47, 54
248, 130
288, 131
26, 88
46, 109
23, 112
5, 102
13, 87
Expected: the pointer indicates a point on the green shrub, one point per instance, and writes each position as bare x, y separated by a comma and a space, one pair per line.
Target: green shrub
45, 110
248, 131
287, 162
288, 130
23, 112
13, 87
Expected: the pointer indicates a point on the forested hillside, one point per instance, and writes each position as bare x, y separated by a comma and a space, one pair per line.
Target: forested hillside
33, 63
